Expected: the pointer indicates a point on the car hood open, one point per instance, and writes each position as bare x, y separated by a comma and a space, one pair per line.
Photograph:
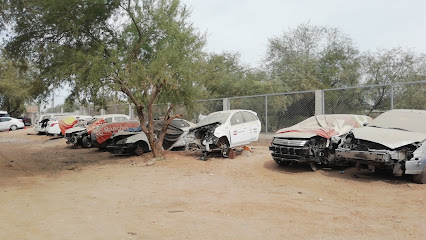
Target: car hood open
391, 138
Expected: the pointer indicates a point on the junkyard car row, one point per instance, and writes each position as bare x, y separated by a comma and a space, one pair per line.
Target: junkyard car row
395, 140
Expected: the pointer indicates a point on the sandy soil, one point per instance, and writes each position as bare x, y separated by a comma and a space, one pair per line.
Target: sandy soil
49, 190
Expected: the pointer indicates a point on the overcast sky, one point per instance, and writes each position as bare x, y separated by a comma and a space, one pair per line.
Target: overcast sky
245, 26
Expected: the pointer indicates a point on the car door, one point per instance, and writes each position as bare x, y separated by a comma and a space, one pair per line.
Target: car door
3, 125
253, 125
238, 130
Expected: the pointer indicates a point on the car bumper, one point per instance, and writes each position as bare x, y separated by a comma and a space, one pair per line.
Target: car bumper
120, 149
283, 153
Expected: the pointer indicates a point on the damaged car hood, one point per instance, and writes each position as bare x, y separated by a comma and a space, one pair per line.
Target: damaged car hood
198, 126
75, 129
391, 138
325, 126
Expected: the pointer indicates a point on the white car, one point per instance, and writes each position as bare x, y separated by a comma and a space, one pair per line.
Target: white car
10, 123
221, 131
53, 128
41, 121
4, 114
136, 142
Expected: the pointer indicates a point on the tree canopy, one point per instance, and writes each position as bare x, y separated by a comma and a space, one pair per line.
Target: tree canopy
146, 49
312, 57
17, 87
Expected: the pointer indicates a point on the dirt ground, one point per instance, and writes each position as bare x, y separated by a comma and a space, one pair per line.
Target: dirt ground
49, 190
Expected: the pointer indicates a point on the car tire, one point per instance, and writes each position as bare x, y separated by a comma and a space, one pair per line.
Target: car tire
141, 148
85, 142
13, 128
225, 147
420, 178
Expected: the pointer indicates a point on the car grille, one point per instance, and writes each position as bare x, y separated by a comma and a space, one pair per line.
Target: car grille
289, 142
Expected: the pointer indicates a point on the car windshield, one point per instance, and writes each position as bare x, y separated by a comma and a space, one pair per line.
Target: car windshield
220, 117
413, 121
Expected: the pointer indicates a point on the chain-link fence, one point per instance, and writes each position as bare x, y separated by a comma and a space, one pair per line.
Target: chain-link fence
277, 111
376, 99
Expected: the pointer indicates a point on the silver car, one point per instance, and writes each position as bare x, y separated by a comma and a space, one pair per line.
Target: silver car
314, 140
396, 140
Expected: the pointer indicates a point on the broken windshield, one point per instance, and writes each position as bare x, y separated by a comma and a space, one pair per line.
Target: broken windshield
219, 117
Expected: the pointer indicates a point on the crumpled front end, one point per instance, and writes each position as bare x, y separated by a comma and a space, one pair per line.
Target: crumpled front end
313, 150
370, 155
203, 138
75, 137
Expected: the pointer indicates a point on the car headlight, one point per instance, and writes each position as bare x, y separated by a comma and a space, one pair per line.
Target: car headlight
122, 141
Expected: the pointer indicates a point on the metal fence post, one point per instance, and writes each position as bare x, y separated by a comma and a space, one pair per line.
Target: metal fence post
319, 102
391, 91
225, 104
266, 113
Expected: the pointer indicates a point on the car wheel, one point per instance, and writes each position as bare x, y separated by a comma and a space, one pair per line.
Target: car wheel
224, 145
313, 167
85, 142
13, 128
420, 178
203, 156
141, 148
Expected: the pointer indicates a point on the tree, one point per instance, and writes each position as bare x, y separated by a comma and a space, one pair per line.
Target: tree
146, 49
313, 57
223, 75
17, 87
391, 66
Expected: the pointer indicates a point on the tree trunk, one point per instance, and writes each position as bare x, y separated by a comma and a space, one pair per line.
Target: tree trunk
157, 149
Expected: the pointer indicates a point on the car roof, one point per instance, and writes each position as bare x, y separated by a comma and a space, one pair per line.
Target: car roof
236, 110
112, 115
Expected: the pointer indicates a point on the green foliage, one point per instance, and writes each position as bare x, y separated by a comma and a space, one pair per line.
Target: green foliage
392, 66
223, 75
313, 57
16, 88
146, 49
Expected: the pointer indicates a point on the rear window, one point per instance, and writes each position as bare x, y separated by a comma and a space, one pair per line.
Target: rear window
180, 123
120, 119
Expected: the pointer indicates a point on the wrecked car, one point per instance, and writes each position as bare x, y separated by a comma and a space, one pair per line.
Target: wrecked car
101, 137
80, 134
314, 140
394, 140
134, 141
41, 122
221, 131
